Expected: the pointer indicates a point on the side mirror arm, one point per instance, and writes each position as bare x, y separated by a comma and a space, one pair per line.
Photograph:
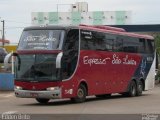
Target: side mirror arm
58, 60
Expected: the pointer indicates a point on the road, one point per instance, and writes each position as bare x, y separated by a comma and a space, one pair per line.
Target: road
148, 103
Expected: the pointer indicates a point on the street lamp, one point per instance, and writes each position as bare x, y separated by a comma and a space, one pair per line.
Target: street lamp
3, 41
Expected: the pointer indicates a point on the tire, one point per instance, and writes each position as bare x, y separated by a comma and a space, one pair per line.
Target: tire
42, 100
103, 96
139, 88
132, 89
81, 94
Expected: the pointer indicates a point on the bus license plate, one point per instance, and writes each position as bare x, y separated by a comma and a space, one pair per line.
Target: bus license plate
34, 94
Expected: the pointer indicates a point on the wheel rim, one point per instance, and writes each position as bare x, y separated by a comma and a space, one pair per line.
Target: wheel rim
80, 93
133, 90
140, 87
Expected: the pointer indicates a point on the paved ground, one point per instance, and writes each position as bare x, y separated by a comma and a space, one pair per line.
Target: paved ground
148, 103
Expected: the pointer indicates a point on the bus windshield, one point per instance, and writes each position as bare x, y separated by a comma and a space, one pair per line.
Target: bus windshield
36, 67
41, 40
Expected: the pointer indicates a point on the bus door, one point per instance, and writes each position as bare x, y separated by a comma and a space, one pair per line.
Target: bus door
70, 56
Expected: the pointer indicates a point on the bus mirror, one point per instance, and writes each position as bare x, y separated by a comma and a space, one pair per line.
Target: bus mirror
15, 54
58, 60
19, 60
7, 62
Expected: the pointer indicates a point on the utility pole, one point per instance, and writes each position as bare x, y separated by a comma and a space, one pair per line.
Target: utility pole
3, 37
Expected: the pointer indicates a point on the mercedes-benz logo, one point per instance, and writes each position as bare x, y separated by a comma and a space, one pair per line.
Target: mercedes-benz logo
33, 88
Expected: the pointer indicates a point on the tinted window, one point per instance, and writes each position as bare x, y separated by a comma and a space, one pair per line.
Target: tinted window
70, 57
109, 42
36, 67
72, 40
86, 40
119, 44
40, 39
141, 46
91, 40
99, 41
149, 46
130, 44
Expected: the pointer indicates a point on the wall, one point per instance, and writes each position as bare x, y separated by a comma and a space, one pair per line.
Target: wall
76, 18
6, 81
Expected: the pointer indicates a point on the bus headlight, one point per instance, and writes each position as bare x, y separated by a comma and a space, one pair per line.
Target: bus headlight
53, 88
17, 88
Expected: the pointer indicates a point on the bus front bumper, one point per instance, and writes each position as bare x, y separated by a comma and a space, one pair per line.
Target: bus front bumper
56, 94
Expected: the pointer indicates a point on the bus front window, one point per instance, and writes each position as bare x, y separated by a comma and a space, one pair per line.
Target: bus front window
41, 39
37, 67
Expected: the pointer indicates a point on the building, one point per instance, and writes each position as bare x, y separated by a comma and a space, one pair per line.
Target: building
80, 15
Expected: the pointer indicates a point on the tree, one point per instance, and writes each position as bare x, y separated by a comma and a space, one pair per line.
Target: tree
157, 43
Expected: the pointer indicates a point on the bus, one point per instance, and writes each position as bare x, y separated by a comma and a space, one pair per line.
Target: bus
56, 62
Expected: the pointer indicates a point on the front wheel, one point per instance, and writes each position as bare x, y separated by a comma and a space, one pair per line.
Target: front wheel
81, 94
42, 100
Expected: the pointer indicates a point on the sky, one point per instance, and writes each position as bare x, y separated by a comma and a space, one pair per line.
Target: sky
17, 13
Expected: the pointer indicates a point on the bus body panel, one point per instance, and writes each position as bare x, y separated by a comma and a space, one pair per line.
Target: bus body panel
107, 72
104, 73
150, 79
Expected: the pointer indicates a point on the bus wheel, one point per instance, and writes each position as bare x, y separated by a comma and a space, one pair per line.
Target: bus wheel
81, 94
132, 89
42, 100
139, 88
103, 96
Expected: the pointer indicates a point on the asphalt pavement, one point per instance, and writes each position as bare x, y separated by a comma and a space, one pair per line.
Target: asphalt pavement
114, 107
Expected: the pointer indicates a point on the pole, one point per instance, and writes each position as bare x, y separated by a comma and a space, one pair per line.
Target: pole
3, 38
12, 57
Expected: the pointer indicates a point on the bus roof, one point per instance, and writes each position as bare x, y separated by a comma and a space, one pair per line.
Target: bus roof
115, 30
100, 28
50, 27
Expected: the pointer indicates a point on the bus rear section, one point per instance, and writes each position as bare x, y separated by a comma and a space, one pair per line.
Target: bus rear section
55, 62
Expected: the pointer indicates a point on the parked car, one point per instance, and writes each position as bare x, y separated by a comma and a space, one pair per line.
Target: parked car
3, 53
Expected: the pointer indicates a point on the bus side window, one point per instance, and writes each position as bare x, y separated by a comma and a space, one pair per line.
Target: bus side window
109, 42
130, 44
142, 46
118, 47
99, 41
87, 40
149, 46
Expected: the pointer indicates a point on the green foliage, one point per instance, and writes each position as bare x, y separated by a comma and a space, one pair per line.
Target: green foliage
157, 43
